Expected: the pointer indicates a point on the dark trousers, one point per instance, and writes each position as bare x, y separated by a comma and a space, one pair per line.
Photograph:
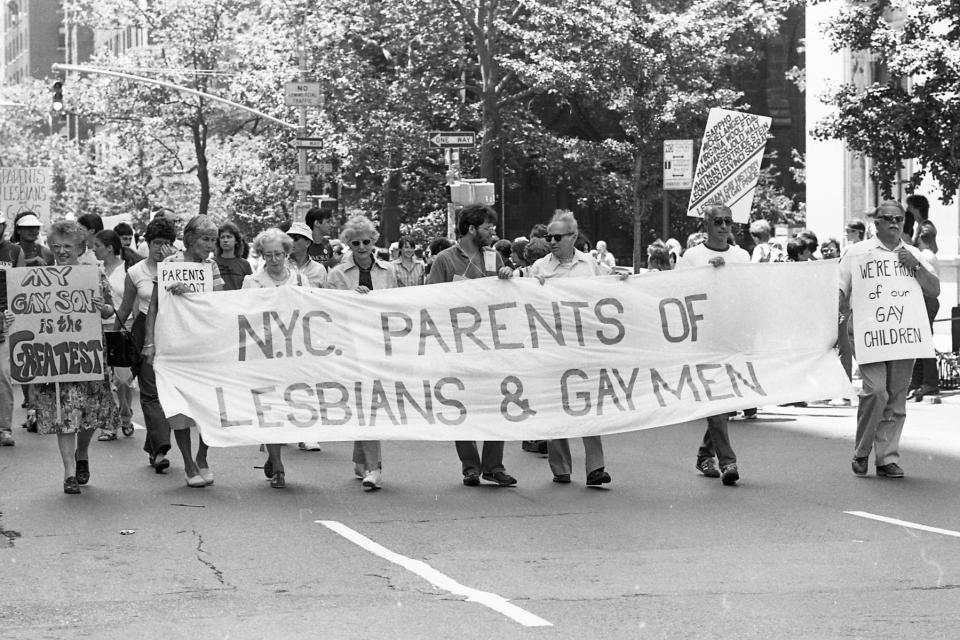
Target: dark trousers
716, 442
158, 429
491, 462
925, 369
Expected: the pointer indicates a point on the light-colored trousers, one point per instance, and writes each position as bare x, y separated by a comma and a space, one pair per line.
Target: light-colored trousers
883, 409
558, 453
367, 454
6, 387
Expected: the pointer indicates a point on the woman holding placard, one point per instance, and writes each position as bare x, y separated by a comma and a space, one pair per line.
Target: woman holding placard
362, 272
199, 238
74, 410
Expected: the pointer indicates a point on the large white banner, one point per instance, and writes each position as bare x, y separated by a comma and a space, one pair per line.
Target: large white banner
889, 318
729, 164
499, 360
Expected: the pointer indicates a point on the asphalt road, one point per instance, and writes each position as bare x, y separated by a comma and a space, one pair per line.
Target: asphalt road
662, 553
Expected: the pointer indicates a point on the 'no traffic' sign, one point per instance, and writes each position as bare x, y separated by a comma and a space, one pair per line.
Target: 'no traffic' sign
452, 139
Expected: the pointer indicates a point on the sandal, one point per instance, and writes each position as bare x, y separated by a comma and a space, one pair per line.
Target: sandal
106, 436
71, 486
278, 481
83, 470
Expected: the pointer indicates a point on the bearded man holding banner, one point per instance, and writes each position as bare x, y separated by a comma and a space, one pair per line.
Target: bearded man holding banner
718, 222
883, 399
471, 258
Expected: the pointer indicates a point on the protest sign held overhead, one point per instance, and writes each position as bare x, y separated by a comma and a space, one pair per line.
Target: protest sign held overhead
889, 318
197, 276
56, 333
25, 189
497, 360
729, 163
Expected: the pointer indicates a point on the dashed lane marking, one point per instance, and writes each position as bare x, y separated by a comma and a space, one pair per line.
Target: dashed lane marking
439, 580
904, 523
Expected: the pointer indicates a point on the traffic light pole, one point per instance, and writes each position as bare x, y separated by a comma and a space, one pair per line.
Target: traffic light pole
302, 196
169, 85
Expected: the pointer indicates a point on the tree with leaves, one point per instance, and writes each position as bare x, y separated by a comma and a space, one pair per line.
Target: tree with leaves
912, 109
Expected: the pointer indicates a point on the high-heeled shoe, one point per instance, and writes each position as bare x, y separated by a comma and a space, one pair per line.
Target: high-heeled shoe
206, 474
196, 482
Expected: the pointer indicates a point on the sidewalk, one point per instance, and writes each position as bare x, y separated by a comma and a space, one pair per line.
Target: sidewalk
930, 428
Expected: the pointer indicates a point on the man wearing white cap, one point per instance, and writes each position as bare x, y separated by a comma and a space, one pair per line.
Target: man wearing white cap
26, 233
10, 256
313, 271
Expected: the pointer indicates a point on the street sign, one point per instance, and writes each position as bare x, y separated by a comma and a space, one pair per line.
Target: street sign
677, 165
452, 139
302, 183
302, 94
308, 143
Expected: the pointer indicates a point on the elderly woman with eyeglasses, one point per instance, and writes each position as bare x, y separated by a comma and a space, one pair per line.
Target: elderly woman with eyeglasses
199, 238
361, 271
274, 246
83, 406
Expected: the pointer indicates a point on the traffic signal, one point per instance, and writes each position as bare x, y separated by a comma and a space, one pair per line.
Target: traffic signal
58, 96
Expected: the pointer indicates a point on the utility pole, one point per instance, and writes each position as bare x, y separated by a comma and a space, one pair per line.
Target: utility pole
303, 206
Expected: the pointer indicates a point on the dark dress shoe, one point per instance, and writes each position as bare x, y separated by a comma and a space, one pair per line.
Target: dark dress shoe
562, 478
471, 479
598, 477
859, 466
502, 478
70, 485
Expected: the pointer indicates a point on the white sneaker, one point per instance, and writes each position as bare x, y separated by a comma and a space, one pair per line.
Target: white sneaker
371, 480
309, 446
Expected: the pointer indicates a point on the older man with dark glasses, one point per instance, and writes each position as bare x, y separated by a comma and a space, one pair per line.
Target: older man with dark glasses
883, 398
716, 251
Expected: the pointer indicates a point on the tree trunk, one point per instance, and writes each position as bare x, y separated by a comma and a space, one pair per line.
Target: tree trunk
199, 130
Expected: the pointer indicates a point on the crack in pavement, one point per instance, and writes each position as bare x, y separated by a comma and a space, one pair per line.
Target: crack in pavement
216, 572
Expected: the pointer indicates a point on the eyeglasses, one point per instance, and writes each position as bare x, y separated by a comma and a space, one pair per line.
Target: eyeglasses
364, 242
719, 222
557, 237
274, 255
892, 219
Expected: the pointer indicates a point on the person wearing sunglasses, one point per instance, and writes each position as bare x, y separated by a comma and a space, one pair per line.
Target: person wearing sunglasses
466, 260
565, 261
883, 398
716, 251
361, 271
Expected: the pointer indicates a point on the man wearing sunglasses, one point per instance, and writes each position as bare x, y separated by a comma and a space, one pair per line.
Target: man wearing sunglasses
564, 261
466, 260
716, 251
883, 398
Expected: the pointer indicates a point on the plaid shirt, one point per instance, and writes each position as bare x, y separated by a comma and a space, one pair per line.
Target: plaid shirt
408, 277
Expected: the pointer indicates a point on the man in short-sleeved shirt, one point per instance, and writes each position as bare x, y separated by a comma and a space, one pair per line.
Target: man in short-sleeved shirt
717, 221
464, 261
883, 398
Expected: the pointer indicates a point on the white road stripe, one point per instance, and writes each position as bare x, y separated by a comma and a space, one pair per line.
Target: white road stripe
439, 580
904, 523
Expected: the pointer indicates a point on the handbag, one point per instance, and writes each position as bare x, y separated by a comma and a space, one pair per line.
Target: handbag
118, 346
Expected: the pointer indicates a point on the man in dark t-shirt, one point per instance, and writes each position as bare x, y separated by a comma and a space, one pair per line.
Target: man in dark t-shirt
320, 222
